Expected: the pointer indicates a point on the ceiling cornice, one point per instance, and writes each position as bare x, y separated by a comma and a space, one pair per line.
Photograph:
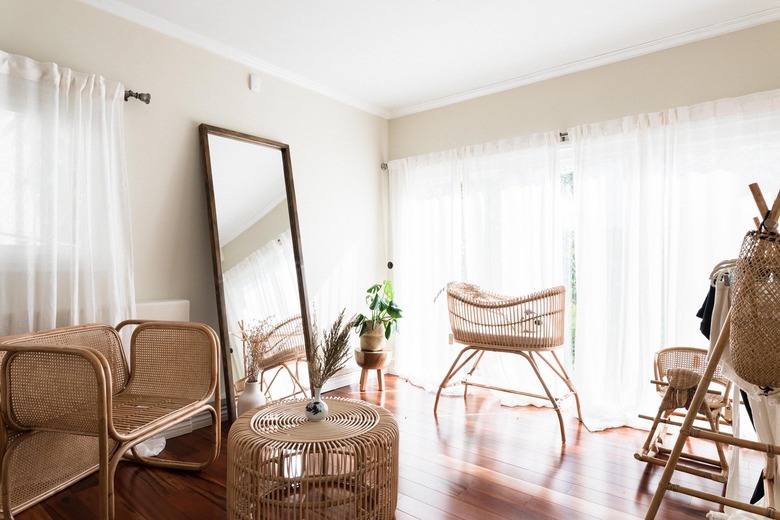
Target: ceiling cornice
172, 30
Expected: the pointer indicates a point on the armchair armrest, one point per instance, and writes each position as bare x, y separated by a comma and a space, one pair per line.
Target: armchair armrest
61, 388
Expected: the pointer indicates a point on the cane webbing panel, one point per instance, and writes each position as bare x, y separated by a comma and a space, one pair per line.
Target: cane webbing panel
171, 360
52, 390
102, 338
282, 466
755, 311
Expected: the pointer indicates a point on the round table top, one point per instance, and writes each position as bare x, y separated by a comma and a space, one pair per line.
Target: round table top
286, 421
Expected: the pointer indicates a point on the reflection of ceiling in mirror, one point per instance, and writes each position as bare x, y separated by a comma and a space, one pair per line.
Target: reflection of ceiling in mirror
248, 180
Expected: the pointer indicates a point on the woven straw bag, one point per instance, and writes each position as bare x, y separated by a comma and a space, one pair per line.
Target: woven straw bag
755, 311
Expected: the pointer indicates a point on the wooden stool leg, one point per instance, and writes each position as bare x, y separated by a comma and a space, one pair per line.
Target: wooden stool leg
363, 379
381, 379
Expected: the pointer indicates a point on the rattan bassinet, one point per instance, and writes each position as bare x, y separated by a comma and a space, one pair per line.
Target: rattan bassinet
530, 326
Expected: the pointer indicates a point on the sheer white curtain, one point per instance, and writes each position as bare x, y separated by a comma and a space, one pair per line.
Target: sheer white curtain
661, 198
263, 284
65, 243
484, 214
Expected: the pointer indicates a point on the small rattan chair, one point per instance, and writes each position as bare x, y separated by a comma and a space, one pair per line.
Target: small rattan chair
289, 349
531, 327
677, 372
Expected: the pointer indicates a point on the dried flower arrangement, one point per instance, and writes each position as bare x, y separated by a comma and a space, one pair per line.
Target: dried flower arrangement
257, 341
328, 355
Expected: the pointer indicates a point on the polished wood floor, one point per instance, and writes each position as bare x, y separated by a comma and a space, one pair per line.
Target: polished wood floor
479, 460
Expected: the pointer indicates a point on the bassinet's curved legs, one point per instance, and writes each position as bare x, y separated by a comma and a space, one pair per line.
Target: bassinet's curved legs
454, 369
265, 385
553, 401
479, 352
296, 382
297, 387
470, 373
569, 383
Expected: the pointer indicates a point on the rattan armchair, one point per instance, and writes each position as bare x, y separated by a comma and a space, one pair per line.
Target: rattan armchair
71, 405
531, 327
289, 349
677, 372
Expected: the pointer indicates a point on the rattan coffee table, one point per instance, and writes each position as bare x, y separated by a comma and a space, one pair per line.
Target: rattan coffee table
281, 466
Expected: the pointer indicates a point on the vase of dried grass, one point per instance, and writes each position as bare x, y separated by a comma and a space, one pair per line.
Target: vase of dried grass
316, 408
250, 398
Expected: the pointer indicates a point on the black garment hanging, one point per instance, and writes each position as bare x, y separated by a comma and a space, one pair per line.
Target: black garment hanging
705, 313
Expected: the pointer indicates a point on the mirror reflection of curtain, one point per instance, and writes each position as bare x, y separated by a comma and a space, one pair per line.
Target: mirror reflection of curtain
263, 284
65, 242
486, 215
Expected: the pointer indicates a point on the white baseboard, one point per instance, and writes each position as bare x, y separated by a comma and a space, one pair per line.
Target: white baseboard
341, 380
186, 426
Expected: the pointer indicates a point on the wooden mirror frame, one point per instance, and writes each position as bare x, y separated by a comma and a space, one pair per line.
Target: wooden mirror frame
292, 208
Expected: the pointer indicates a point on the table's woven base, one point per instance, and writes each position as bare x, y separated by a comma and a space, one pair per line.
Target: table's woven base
280, 466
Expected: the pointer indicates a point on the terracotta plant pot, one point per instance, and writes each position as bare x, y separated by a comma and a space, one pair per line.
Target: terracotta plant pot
374, 338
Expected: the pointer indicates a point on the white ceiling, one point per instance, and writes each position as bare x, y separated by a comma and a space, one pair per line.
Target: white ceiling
397, 57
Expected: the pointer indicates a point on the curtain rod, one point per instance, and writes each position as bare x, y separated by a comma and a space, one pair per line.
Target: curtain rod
145, 97
563, 135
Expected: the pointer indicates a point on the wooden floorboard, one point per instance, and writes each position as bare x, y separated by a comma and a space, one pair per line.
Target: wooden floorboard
476, 460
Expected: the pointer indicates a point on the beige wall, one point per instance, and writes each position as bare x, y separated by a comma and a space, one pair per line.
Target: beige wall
336, 151
732, 65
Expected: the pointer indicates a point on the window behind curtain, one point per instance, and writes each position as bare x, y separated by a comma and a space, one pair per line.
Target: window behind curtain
644, 207
661, 198
64, 210
485, 214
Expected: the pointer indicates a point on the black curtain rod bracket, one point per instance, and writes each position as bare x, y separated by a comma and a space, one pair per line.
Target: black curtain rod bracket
144, 97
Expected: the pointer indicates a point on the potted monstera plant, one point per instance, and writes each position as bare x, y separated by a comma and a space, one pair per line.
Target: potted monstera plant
375, 329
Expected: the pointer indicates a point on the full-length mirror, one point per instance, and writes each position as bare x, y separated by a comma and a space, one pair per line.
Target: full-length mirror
258, 265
